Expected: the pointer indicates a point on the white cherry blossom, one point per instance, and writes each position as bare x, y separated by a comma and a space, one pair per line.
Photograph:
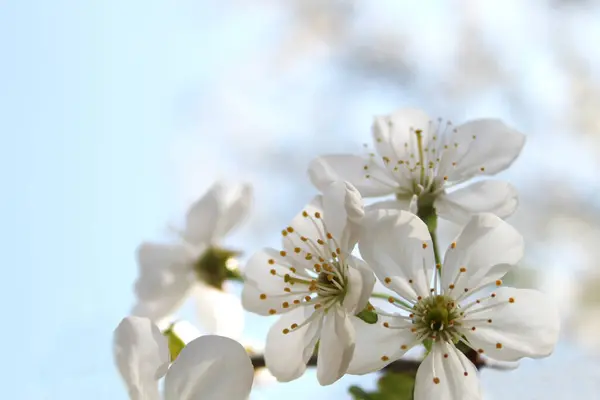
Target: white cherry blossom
466, 303
418, 159
315, 284
170, 273
208, 368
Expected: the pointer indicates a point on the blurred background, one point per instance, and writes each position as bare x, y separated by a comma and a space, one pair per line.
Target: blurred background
114, 116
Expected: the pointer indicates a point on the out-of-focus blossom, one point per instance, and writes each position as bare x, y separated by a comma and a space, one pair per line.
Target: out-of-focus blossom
209, 367
316, 284
506, 324
197, 265
418, 159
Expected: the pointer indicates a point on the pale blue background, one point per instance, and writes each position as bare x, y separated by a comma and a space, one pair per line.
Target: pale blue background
91, 95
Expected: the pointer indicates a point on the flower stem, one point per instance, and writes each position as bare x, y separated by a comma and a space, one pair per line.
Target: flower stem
428, 214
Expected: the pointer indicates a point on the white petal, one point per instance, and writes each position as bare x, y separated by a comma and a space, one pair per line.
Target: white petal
360, 285
164, 280
337, 212
375, 181
487, 247
142, 356
377, 346
239, 202
402, 203
219, 312
264, 291
202, 218
497, 197
210, 368
343, 212
528, 327
286, 355
483, 143
449, 373
336, 346
395, 136
397, 246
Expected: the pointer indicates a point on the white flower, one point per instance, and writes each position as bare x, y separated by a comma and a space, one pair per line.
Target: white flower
208, 368
505, 324
419, 159
169, 273
316, 284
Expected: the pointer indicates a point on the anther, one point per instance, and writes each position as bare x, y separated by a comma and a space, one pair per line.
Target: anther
498, 282
273, 272
294, 326
463, 269
387, 280
282, 253
317, 215
271, 261
286, 331
272, 311
498, 345
511, 300
285, 304
384, 358
424, 245
436, 380
263, 296
386, 325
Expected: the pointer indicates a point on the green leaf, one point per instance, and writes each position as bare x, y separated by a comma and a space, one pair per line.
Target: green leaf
395, 386
175, 343
359, 394
391, 386
428, 343
367, 315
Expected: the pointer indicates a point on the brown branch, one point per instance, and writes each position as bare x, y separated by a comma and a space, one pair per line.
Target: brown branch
401, 366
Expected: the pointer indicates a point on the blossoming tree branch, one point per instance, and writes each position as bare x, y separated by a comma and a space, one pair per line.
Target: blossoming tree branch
355, 286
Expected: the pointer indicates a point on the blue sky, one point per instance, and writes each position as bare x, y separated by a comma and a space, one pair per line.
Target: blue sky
89, 101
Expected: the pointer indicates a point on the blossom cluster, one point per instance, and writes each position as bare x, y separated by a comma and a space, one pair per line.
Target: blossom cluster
333, 254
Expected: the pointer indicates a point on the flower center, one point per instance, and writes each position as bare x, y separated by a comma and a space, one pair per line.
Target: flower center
215, 266
426, 159
435, 316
